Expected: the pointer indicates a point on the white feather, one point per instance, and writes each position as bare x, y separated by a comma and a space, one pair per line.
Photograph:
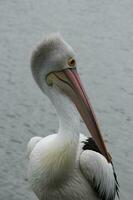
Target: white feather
98, 171
31, 144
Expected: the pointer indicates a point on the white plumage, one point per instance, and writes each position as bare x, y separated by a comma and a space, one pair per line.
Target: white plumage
60, 168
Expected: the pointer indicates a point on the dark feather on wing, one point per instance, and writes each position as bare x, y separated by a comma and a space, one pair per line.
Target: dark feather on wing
90, 144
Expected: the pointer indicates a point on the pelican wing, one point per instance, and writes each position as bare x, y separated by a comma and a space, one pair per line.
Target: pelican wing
99, 173
31, 144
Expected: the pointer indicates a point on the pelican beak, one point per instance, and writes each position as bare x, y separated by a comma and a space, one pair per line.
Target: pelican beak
69, 82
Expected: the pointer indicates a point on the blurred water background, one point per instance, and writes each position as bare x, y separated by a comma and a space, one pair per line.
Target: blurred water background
101, 32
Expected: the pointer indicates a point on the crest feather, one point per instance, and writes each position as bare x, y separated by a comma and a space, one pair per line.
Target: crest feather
41, 52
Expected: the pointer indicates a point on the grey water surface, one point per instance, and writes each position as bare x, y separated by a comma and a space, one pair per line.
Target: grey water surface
101, 32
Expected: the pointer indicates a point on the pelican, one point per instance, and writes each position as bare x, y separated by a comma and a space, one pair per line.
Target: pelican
67, 165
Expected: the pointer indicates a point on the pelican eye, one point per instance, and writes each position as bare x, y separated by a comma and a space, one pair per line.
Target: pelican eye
71, 62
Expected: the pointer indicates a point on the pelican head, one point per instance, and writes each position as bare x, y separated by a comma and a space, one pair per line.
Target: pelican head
54, 65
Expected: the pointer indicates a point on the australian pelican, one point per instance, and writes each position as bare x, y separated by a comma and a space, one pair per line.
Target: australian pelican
67, 165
